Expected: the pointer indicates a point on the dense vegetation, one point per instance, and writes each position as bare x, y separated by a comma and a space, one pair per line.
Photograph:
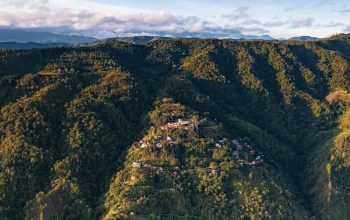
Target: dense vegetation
176, 129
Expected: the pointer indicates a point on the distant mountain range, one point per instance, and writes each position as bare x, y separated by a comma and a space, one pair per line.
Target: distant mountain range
134, 39
25, 36
30, 45
304, 38
148, 39
29, 39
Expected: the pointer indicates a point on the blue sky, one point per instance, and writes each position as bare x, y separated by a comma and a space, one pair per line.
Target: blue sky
184, 18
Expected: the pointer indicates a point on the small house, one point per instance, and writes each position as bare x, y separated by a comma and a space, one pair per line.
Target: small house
181, 122
149, 166
215, 171
255, 162
259, 157
136, 165
267, 214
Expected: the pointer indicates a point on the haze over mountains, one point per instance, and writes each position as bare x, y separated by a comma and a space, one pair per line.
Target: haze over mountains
28, 39
25, 36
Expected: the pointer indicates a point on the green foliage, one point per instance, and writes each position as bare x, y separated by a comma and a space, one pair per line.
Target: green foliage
71, 120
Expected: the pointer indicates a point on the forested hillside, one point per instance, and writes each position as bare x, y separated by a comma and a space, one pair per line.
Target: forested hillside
176, 129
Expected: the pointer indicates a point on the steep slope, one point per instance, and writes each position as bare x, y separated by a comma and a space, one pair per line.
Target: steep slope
329, 165
174, 129
188, 167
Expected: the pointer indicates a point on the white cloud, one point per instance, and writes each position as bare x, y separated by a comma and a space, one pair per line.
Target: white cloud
103, 20
239, 14
22, 3
275, 23
90, 17
331, 24
302, 23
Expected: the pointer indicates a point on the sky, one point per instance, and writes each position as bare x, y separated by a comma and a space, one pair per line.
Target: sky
179, 18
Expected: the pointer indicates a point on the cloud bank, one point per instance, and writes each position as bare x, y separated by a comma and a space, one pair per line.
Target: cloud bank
102, 20
39, 15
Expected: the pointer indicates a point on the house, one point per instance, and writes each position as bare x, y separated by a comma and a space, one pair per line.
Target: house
144, 145
136, 165
149, 166
267, 214
259, 157
181, 122
215, 171
255, 162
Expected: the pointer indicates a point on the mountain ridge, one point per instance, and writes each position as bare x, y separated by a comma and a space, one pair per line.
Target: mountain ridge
180, 128
26, 36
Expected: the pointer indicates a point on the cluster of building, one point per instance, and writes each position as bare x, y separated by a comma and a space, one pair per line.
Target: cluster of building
155, 141
184, 123
241, 147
